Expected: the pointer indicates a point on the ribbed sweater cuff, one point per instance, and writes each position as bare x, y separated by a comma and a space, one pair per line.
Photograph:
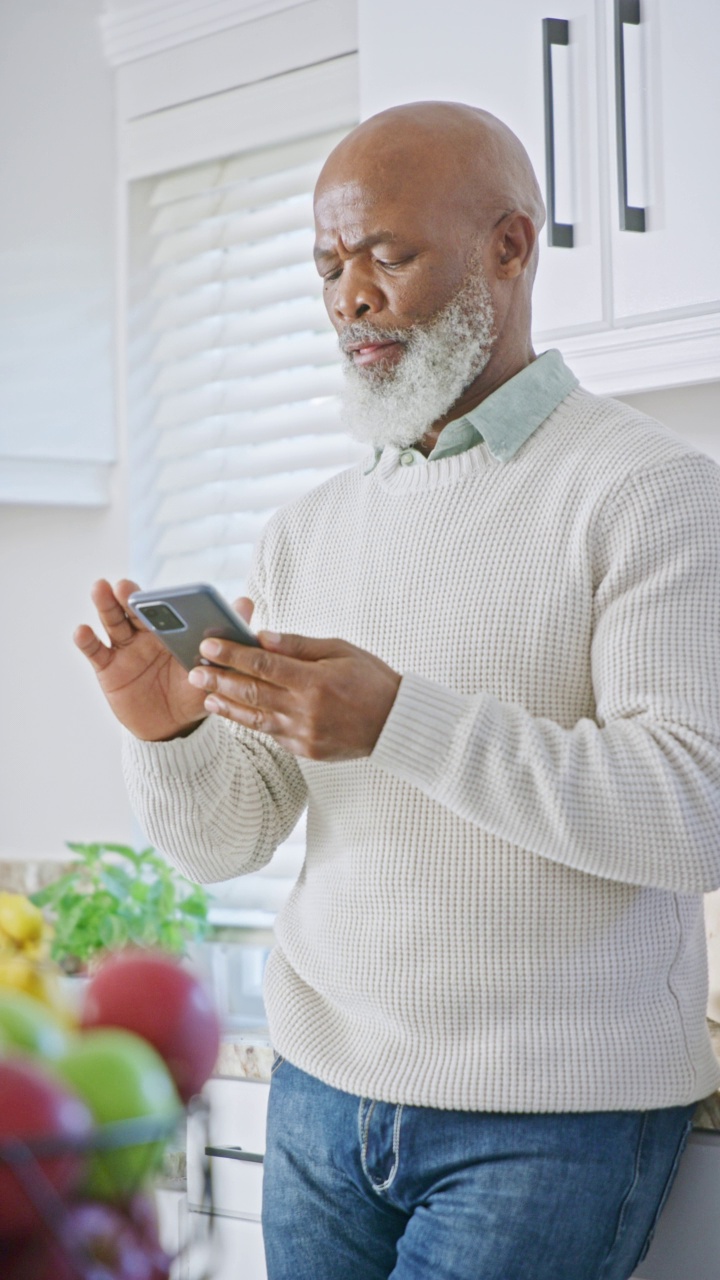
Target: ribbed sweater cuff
178, 757
419, 731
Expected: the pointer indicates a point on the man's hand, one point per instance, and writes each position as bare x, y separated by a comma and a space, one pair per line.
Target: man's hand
321, 699
146, 687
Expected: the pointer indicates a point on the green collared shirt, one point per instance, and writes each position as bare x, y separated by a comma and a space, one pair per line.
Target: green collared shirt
507, 418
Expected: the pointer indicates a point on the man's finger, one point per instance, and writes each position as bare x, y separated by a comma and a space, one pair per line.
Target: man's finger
94, 650
281, 660
240, 690
245, 607
304, 648
111, 610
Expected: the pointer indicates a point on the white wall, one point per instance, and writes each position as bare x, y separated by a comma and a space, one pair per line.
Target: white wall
59, 747
694, 414
59, 744
691, 412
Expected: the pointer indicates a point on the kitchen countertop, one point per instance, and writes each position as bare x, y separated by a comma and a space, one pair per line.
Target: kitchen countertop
249, 1057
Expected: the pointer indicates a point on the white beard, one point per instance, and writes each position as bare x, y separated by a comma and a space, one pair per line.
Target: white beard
397, 405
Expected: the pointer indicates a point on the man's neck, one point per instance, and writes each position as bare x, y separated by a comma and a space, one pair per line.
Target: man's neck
493, 376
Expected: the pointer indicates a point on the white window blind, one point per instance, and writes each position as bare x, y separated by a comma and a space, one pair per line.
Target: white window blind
245, 362
241, 378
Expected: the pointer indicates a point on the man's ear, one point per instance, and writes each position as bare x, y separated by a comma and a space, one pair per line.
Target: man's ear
516, 240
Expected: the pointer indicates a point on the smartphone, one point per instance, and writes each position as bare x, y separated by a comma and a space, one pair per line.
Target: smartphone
182, 617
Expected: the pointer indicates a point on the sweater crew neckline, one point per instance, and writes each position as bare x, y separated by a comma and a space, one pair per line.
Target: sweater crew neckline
394, 474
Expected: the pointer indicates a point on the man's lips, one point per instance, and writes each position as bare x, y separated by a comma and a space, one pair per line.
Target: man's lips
364, 353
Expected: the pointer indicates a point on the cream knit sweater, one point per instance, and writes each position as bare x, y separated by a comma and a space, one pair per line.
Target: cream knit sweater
500, 909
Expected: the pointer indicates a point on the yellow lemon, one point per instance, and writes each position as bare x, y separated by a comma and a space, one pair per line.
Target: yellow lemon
20, 919
20, 974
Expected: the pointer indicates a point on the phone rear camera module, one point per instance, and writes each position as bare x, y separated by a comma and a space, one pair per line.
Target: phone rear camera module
162, 617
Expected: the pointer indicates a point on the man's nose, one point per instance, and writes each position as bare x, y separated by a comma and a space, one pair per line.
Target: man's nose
355, 294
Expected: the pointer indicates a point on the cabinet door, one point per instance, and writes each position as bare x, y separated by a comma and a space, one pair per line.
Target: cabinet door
686, 1245
491, 56
231, 1249
672, 116
238, 1111
240, 1250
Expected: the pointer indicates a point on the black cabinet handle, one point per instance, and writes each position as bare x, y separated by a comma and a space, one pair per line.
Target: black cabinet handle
235, 1153
554, 31
627, 13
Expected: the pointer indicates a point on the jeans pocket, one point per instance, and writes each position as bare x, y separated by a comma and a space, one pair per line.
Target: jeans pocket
666, 1192
276, 1064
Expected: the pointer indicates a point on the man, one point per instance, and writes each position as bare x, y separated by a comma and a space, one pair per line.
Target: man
488, 990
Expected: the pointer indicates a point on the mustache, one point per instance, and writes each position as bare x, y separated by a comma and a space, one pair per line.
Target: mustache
361, 331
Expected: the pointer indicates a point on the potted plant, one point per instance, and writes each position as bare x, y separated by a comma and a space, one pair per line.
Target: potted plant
115, 896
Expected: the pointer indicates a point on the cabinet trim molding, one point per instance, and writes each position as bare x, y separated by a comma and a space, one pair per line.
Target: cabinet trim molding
651, 357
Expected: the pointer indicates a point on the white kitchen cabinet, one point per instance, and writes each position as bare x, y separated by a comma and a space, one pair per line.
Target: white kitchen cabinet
673, 118
238, 1110
492, 56
686, 1244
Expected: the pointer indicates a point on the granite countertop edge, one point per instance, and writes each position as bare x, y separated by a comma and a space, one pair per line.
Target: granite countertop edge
250, 1058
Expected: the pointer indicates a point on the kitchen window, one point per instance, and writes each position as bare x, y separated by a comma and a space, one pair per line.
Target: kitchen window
233, 379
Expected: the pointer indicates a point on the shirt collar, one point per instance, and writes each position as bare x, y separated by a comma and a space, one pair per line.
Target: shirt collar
507, 419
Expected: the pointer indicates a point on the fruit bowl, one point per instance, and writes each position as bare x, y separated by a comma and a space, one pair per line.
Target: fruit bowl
88, 1101
74, 1238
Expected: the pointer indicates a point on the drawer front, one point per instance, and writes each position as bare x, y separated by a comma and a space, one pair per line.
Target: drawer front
686, 1244
232, 1251
236, 1129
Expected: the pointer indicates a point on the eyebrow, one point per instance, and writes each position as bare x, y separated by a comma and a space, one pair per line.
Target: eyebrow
377, 237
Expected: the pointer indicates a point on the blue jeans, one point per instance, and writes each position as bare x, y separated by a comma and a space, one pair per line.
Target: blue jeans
363, 1190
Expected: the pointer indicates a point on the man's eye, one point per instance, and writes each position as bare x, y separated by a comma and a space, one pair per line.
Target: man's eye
332, 275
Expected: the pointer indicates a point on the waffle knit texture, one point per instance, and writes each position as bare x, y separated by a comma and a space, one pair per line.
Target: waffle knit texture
501, 908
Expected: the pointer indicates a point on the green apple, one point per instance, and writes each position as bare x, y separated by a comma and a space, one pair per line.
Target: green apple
28, 1026
120, 1077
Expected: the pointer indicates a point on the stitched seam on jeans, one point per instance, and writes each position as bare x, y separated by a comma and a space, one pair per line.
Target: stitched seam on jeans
383, 1186
364, 1127
628, 1194
364, 1130
666, 1192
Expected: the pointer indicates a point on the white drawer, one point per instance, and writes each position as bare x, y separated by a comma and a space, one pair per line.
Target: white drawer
236, 1250
686, 1244
236, 1132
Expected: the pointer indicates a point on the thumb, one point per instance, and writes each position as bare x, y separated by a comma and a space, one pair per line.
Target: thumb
304, 648
245, 607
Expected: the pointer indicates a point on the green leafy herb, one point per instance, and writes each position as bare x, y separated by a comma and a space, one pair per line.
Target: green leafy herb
116, 896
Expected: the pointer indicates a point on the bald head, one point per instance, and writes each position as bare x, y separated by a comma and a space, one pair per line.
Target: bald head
477, 162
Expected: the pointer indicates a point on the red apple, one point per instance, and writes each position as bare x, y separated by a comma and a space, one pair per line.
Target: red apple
34, 1106
164, 1003
20, 1259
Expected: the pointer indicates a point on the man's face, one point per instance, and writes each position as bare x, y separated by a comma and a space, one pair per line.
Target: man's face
405, 288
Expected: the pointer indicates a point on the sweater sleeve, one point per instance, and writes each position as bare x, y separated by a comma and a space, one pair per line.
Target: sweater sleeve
218, 803
632, 795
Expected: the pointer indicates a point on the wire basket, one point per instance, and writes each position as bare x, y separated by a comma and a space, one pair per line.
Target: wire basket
144, 1140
